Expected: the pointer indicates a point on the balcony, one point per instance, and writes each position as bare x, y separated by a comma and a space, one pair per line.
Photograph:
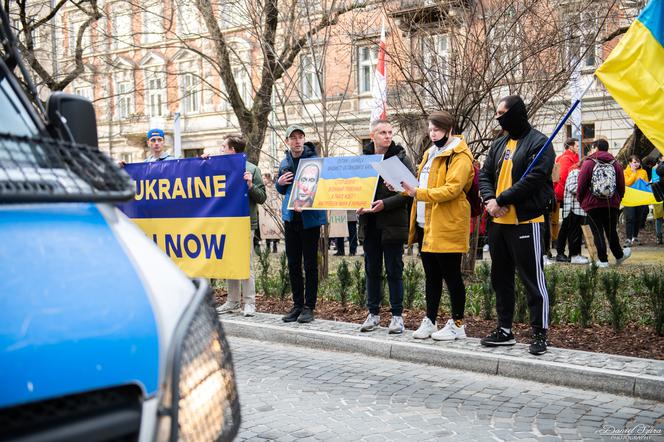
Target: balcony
412, 15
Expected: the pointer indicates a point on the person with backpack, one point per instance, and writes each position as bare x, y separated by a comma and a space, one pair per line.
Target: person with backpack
634, 214
439, 223
601, 187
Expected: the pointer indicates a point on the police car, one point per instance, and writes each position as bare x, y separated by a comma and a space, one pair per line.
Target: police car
102, 337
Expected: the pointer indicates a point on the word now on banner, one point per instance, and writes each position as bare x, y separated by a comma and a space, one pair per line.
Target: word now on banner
335, 183
197, 212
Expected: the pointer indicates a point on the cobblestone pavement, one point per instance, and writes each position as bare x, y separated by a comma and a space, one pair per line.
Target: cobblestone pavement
294, 393
623, 364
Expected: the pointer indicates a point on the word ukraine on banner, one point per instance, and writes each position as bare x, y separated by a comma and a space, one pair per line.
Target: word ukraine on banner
634, 72
334, 183
197, 212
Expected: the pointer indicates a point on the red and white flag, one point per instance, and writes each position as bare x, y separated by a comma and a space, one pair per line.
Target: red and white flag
379, 87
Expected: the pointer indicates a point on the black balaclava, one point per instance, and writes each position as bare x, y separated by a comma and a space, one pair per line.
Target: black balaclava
515, 120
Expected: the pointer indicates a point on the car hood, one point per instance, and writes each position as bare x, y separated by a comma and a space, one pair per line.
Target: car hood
74, 313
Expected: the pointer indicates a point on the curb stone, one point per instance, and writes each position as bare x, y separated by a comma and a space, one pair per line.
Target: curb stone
643, 378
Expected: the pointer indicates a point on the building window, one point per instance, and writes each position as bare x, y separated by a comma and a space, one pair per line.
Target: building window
192, 153
310, 86
84, 91
123, 89
72, 34
122, 32
235, 14
367, 59
243, 84
127, 157
190, 90
155, 97
435, 49
189, 20
153, 28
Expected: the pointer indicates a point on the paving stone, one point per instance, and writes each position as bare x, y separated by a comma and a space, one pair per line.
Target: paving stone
408, 401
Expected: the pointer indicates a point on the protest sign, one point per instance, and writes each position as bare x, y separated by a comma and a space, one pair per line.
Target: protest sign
197, 212
338, 224
335, 183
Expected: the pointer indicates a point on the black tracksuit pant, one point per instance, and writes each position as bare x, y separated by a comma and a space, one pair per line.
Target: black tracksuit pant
518, 248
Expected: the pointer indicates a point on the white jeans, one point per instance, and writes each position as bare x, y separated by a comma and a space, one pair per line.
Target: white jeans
248, 285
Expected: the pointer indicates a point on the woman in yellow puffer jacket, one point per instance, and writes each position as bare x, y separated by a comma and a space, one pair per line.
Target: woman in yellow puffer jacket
633, 215
440, 222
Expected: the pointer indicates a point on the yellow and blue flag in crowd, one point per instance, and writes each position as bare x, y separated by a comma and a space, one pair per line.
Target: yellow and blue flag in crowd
197, 212
634, 72
638, 194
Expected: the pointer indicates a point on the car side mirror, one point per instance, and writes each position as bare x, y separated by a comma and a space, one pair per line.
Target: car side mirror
74, 117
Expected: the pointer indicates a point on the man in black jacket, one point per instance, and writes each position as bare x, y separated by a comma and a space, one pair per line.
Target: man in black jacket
384, 229
517, 203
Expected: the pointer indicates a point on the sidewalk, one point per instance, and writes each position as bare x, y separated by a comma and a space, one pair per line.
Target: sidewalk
636, 377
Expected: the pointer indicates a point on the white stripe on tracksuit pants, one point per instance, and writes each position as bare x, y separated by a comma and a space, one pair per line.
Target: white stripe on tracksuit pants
518, 248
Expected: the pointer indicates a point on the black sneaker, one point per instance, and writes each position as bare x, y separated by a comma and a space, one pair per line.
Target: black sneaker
292, 315
538, 346
561, 257
306, 316
497, 338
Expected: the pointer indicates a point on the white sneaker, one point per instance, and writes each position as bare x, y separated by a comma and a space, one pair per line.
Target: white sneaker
371, 323
627, 252
396, 325
547, 261
601, 264
249, 310
228, 307
426, 328
450, 332
579, 259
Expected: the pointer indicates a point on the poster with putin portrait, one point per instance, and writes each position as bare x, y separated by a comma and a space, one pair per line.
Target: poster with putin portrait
334, 183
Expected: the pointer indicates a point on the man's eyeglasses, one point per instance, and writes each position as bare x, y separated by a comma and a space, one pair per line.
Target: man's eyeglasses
156, 139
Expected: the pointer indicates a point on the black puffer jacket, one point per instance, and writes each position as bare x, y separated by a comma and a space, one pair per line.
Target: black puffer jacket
393, 219
529, 195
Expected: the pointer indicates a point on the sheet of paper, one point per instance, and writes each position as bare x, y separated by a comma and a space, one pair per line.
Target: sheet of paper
394, 172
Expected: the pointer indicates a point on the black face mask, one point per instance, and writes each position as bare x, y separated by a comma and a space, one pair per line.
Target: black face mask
440, 143
515, 120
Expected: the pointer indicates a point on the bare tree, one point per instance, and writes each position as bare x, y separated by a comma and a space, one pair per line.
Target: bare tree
464, 56
281, 30
42, 21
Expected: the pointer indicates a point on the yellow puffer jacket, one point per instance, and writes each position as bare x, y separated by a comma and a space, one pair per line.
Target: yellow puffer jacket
447, 211
631, 177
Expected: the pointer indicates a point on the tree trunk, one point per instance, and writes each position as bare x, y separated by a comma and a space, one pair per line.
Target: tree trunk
636, 144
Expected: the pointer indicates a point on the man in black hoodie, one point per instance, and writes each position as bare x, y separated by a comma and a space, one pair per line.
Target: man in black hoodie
517, 203
384, 229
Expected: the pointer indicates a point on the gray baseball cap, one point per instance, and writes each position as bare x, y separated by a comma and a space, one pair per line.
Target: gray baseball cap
292, 128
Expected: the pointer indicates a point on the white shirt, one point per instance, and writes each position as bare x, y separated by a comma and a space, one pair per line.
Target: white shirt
424, 174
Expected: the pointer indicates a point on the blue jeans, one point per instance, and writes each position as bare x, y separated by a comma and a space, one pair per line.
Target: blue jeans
374, 254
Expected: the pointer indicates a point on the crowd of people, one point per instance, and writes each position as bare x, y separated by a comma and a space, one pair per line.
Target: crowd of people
523, 188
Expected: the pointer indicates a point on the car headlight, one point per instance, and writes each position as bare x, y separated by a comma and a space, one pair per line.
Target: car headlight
203, 399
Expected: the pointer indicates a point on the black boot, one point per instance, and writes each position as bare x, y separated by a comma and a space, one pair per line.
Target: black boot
292, 315
307, 315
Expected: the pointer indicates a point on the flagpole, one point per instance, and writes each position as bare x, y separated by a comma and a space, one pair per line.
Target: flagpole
557, 129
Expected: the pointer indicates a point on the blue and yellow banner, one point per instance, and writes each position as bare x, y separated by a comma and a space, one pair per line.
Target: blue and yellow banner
197, 212
335, 183
634, 72
638, 194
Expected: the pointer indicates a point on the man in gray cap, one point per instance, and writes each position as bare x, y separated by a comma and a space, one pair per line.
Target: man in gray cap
302, 230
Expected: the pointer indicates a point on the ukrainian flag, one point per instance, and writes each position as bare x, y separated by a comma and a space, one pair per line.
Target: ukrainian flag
638, 194
634, 72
